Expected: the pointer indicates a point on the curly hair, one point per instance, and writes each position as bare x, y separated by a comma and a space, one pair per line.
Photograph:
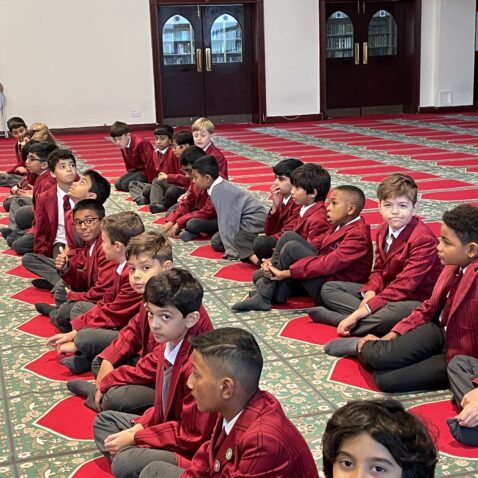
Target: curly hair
463, 219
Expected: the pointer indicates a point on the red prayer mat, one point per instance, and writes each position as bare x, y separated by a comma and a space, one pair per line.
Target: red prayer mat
348, 371
304, 329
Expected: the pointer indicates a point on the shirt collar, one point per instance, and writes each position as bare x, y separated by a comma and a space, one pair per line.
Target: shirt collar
170, 353
228, 425
120, 268
215, 183
285, 200
396, 233
304, 209
346, 224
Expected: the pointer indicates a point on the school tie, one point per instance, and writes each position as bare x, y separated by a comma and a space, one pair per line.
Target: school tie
66, 203
168, 371
220, 440
455, 283
389, 242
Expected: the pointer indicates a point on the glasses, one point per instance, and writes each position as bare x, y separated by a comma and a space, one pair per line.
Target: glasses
187, 170
177, 146
31, 157
88, 222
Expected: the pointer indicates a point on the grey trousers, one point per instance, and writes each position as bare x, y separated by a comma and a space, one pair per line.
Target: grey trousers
161, 469
44, 267
131, 460
20, 213
91, 342
122, 184
344, 298
139, 189
197, 225
9, 179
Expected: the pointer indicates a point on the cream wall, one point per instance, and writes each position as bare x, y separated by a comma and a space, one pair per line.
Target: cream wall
72, 63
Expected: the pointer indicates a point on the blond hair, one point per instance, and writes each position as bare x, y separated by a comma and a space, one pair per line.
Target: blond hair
396, 185
41, 132
203, 123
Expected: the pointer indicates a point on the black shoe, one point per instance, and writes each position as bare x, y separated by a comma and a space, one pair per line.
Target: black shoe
187, 236
5, 232
156, 208
80, 387
141, 201
42, 284
76, 363
44, 308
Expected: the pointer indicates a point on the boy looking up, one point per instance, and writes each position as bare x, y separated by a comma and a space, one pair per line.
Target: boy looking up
138, 156
310, 186
174, 428
236, 208
102, 321
203, 134
11, 177
252, 436
281, 218
405, 270
414, 354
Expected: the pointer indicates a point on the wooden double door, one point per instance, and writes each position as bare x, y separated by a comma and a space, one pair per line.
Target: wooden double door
369, 52
205, 62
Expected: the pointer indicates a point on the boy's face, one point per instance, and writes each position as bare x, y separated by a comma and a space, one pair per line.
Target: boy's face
112, 252
87, 224
19, 133
141, 268
179, 148
205, 386
397, 212
202, 138
162, 141
167, 323
34, 165
340, 209
362, 456
282, 185
201, 182
80, 189
452, 251
65, 171
300, 196
187, 168
121, 141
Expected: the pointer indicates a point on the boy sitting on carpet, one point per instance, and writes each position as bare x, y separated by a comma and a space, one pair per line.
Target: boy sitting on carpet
252, 436
281, 218
174, 428
405, 270
11, 177
413, 356
236, 208
310, 186
94, 330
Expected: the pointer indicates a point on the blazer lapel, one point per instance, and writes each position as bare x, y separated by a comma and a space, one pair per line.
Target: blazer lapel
469, 277
398, 243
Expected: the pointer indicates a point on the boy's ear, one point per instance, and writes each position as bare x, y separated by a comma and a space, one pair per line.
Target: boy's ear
91, 195
167, 265
352, 209
228, 386
314, 193
192, 319
472, 250
44, 165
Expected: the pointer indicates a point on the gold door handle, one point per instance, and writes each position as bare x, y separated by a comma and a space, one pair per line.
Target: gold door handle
365, 52
208, 59
199, 59
357, 53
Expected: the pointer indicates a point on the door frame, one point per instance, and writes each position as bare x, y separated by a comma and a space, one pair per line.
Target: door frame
411, 103
258, 80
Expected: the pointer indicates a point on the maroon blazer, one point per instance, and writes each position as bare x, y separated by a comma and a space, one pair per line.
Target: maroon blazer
313, 224
169, 164
345, 255
91, 278
41, 184
212, 150
283, 219
181, 428
408, 271
131, 342
262, 443
114, 313
462, 325
140, 157
19, 162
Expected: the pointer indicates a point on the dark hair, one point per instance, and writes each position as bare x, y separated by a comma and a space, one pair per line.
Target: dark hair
26, 148
183, 137
152, 243
286, 167
190, 155
164, 130
99, 185
388, 423
463, 219
118, 128
357, 193
91, 204
15, 122
312, 176
175, 287
42, 150
233, 350
57, 155
396, 185
122, 226
207, 165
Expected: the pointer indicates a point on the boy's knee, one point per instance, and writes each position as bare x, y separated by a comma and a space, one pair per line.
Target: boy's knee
457, 364
386, 383
124, 465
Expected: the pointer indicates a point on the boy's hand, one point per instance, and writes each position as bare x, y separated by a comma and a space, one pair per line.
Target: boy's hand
59, 339
173, 231
277, 274
167, 226
275, 193
25, 192
98, 398
61, 259
115, 442
162, 176
66, 348
367, 296
349, 322
468, 417
470, 398
363, 340
183, 196
21, 170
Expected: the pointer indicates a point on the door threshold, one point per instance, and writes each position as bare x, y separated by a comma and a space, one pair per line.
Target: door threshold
221, 119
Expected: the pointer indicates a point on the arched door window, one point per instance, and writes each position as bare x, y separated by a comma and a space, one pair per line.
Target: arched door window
226, 40
178, 42
382, 34
339, 36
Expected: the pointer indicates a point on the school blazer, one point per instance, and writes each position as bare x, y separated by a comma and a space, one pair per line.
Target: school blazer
181, 428
313, 224
345, 255
213, 150
91, 278
262, 443
131, 342
283, 219
408, 271
462, 327
114, 313
140, 157
169, 164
